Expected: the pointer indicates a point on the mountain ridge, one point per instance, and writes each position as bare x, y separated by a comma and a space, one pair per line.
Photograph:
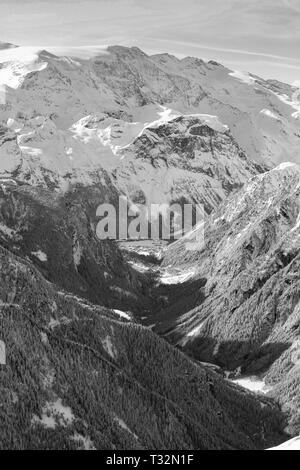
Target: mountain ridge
248, 317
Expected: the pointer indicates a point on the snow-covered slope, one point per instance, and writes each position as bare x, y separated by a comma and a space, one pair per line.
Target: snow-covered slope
192, 158
293, 444
17, 63
74, 116
238, 99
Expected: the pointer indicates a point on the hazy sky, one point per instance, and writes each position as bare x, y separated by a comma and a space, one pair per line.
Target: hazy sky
262, 36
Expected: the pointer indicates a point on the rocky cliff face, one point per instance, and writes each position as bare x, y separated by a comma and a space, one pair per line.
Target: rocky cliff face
190, 158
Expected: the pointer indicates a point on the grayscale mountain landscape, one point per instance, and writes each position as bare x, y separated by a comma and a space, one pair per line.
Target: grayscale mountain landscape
140, 343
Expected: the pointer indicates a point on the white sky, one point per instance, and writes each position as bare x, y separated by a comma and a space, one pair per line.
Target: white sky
261, 36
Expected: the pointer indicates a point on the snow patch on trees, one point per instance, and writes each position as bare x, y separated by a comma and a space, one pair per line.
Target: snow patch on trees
53, 414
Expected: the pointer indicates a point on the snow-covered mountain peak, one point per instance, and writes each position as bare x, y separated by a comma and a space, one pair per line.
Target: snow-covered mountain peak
16, 63
69, 84
127, 51
74, 114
